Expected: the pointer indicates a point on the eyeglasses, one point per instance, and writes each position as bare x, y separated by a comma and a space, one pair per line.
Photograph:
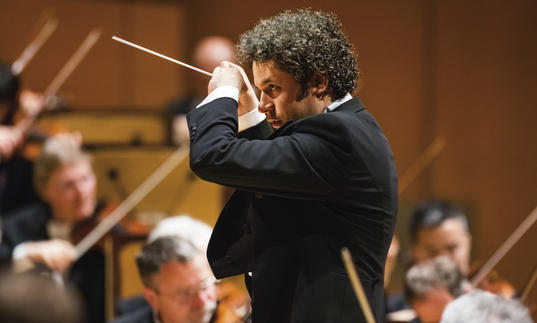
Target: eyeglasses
186, 295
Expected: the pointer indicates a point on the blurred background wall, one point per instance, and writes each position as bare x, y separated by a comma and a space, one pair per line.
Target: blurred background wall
463, 70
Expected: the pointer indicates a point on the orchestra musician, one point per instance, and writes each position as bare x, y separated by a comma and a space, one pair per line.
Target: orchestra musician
436, 228
440, 228
232, 304
431, 285
178, 284
325, 179
208, 54
40, 235
16, 185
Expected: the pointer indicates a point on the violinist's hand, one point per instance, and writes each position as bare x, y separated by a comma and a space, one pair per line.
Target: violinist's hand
231, 74
31, 102
10, 138
56, 254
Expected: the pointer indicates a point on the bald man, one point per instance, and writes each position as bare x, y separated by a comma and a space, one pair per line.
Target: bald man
208, 53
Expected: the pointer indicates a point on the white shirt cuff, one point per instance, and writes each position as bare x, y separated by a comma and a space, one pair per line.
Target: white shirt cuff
225, 91
250, 119
21, 261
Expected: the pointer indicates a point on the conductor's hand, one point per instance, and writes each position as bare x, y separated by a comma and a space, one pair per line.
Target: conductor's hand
56, 254
233, 75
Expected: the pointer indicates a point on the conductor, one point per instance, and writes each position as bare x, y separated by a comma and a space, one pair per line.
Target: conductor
312, 169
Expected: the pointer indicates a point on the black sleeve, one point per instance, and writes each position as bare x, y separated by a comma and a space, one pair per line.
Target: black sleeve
260, 131
304, 164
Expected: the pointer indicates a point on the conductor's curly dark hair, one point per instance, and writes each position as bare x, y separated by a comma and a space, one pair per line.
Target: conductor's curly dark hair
303, 43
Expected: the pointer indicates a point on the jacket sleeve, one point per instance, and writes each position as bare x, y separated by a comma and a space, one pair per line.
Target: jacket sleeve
306, 163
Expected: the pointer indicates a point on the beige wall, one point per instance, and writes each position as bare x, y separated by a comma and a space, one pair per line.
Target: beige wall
486, 76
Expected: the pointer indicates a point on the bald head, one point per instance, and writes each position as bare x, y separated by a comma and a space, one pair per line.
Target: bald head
208, 54
212, 50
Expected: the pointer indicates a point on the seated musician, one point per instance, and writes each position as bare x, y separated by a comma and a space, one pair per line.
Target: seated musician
232, 305
39, 235
182, 226
178, 284
208, 53
431, 285
436, 228
440, 228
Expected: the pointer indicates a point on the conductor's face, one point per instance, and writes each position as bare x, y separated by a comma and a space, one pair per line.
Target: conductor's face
279, 93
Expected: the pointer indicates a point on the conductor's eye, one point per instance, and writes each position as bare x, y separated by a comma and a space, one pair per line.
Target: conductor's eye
271, 89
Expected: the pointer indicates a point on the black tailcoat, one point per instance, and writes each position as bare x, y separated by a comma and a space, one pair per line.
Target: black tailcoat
316, 185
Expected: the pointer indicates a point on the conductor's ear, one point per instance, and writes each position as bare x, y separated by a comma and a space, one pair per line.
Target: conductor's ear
319, 85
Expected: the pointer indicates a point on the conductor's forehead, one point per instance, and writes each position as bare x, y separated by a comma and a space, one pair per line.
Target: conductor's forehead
266, 73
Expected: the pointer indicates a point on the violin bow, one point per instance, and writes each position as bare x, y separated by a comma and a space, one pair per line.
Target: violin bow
418, 165
33, 47
529, 285
63, 74
357, 285
504, 248
131, 201
72, 63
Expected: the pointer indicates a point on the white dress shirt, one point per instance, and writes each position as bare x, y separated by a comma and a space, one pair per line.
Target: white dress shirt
253, 117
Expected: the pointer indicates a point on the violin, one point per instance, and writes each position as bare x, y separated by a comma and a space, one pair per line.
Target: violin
496, 285
83, 228
233, 305
493, 283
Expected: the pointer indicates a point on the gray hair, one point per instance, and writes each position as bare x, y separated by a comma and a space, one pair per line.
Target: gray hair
160, 251
484, 307
58, 151
439, 272
185, 227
